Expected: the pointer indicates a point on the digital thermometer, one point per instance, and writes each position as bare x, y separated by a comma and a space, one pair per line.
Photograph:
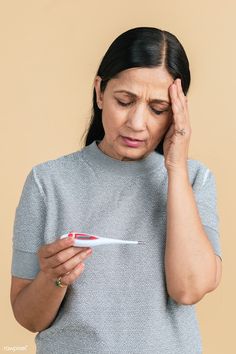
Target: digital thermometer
87, 240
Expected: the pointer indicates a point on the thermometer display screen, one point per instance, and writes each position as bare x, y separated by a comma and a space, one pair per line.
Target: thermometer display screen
82, 236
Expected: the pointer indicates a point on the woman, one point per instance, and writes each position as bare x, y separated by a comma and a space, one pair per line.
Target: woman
132, 180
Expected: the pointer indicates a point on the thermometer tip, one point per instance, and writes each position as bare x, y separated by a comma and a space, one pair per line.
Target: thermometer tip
141, 242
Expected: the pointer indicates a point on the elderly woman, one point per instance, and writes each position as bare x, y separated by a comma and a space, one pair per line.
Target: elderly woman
132, 180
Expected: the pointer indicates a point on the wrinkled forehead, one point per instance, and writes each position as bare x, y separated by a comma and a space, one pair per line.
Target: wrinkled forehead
151, 82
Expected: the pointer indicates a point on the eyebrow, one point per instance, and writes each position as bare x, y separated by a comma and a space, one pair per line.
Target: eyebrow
154, 100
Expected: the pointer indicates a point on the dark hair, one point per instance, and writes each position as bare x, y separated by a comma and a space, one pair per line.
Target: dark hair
139, 47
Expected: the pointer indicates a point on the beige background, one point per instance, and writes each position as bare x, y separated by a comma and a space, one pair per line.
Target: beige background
50, 51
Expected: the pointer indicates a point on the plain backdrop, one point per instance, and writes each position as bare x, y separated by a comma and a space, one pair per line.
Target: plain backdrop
50, 52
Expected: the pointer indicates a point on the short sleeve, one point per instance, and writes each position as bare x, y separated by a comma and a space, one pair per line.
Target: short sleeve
28, 229
204, 188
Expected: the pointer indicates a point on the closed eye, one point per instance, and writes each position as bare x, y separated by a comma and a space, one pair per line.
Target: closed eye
127, 104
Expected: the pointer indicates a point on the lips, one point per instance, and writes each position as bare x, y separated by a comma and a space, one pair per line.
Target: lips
128, 137
132, 143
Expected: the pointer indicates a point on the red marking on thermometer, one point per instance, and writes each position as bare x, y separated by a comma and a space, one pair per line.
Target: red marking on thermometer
82, 236
87, 240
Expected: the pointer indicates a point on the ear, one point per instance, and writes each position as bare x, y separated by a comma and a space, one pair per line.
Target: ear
97, 83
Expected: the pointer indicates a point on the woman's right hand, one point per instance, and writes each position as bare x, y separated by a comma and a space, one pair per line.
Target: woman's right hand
61, 259
35, 302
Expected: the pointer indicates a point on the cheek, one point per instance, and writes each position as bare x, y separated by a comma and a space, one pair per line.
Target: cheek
165, 128
161, 122
113, 117
167, 122
160, 127
112, 122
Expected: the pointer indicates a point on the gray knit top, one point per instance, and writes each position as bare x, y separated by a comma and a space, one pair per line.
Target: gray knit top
119, 304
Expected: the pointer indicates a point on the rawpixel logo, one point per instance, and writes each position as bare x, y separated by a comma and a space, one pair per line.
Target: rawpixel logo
15, 348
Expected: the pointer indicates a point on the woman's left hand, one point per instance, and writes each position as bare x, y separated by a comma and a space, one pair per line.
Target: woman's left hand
176, 145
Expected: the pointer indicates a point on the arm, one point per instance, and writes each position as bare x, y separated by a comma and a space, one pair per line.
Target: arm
35, 299
35, 303
192, 268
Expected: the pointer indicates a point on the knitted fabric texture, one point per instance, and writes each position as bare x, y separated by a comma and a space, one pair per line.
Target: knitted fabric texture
120, 303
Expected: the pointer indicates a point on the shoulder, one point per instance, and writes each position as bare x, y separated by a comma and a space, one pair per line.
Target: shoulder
59, 164
51, 172
198, 167
200, 173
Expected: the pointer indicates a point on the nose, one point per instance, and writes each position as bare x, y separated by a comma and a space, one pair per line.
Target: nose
136, 118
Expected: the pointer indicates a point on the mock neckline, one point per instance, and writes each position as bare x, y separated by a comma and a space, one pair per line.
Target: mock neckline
99, 160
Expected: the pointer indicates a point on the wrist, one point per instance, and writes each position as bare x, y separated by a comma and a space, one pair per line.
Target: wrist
183, 169
178, 173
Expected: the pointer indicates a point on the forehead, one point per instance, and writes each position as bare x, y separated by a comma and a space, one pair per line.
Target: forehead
151, 83
140, 79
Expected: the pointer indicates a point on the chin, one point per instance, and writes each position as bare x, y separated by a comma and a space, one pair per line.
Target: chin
134, 154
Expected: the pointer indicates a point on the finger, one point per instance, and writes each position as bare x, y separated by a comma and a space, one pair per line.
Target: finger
183, 99
64, 255
175, 102
181, 112
180, 93
70, 264
73, 275
56, 246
